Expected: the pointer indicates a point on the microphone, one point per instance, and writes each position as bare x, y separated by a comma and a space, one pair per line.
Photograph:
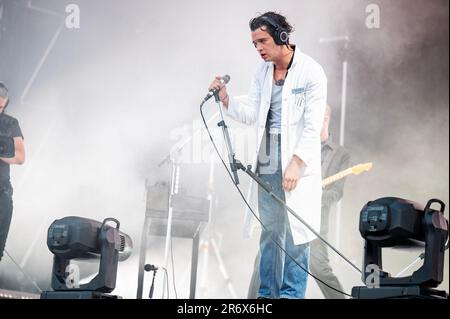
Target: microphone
225, 79
149, 267
334, 39
153, 268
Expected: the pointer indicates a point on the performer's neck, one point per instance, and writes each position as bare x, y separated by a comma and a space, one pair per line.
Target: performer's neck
284, 61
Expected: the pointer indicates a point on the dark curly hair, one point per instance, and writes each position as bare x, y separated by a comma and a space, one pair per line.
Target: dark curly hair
261, 21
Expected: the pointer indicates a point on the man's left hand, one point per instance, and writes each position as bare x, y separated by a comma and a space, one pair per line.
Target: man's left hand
291, 176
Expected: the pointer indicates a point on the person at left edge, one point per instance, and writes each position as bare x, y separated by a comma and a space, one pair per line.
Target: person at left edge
9, 128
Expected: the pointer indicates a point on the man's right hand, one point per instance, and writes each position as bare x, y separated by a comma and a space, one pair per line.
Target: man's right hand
217, 84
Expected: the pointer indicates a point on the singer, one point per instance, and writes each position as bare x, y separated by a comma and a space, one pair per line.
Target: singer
286, 101
9, 127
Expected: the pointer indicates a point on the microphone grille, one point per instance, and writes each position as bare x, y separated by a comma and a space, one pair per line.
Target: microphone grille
226, 78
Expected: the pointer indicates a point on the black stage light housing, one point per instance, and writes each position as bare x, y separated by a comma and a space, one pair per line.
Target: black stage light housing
77, 238
390, 222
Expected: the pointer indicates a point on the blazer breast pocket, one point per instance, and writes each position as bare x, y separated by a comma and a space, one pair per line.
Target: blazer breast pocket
297, 106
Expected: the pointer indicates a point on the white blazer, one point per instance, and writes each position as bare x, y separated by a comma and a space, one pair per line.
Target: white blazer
303, 106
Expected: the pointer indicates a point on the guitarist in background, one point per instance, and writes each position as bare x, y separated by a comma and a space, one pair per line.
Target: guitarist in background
334, 160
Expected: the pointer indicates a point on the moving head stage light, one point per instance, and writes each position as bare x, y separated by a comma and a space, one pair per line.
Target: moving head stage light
390, 222
84, 239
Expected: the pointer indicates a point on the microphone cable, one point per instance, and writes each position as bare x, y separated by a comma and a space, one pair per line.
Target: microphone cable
250, 208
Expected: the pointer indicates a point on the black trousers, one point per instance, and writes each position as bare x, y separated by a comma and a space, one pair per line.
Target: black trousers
6, 208
321, 268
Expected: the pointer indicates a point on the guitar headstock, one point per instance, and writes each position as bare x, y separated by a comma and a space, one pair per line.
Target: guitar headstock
358, 169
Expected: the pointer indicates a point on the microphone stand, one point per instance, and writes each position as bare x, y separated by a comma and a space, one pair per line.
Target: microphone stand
174, 183
343, 53
181, 145
150, 295
149, 267
172, 157
226, 135
235, 164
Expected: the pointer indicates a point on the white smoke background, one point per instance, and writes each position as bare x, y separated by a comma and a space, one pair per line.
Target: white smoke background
114, 97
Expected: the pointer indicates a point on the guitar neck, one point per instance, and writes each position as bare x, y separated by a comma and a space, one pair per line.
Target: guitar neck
334, 178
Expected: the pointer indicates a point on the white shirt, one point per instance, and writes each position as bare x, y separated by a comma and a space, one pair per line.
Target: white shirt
303, 106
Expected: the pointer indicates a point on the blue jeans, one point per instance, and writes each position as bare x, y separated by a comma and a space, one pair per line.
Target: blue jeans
280, 276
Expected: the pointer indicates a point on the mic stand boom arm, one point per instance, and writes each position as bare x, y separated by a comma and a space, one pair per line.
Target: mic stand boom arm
236, 164
269, 190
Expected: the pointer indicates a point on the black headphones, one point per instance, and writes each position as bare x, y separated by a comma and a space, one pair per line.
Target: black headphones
281, 36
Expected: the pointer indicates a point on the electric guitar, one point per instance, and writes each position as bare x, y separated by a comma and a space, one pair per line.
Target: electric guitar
356, 170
